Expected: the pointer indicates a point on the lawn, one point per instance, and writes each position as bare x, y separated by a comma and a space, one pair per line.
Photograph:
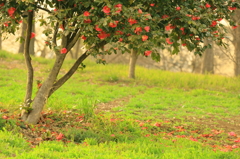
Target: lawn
100, 113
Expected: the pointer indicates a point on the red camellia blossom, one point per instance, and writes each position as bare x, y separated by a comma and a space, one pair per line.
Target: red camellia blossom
144, 37
214, 23
184, 44
208, 5
60, 136
234, 27
178, 8
165, 16
168, 41
140, 11
97, 28
103, 35
195, 18
147, 53
120, 39
232, 134
152, 4
106, 9
168, 27
232, 8
147, 28
64, 51
157, 124
132, 21
86, 14
87, 21
119, 6
83, 37
32, 35
138, 30
11, 11
119, 32
113, 24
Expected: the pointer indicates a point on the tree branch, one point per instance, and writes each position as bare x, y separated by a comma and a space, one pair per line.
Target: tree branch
69, 74
28, 96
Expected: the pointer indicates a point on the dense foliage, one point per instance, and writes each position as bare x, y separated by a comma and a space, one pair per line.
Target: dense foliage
140, 25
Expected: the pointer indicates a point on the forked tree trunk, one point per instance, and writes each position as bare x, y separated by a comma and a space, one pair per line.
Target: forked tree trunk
132, 63
208, 60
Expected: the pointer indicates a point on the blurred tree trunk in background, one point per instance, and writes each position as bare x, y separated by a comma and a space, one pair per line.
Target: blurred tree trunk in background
208, 59
132, 63
236, 43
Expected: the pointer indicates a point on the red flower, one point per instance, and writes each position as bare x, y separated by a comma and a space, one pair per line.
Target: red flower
87, 21
168, 27
103, 35
132, 21
208, 5
147, 53
232, 8
184, 44
140, 11
5, 117
119, 6
234, 27
219, 19
138, 30
106, 9
118, 32
60, 136
120, 39
144, 37
232, 134
157, 124
83, 37
168, 41
64, 51
178, 8
165, 16
32, 35
11, 11
195, 18
97, 28
86, 14
214, 23
61, 27
152, 4
147, 28
113, 24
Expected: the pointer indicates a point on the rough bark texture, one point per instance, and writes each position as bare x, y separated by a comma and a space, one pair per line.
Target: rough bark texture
132, 64
23, 34
28, 96
208, 60
236, 42
43, 93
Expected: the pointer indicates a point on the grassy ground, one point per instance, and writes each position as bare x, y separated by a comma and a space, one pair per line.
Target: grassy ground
100, 113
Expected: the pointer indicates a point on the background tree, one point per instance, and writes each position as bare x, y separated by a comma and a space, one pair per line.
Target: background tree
208, 59
127, 25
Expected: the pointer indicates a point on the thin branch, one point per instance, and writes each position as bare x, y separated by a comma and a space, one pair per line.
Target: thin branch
44, 9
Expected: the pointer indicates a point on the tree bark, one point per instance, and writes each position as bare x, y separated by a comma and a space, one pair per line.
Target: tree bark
28, 96
132, 63
236, 42
23, 34
208, 60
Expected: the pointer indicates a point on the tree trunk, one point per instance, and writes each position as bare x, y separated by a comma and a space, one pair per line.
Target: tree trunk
132, 63
32, 42
28, 96
23, 34
236, 42
208, 60
43, 93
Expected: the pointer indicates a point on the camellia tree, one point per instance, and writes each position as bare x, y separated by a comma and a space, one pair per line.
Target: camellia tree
126, 25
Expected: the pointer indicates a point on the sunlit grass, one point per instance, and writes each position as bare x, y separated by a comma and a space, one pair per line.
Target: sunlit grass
155, 96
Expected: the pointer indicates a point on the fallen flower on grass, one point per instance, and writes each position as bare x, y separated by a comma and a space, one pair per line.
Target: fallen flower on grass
232, 133
60, 136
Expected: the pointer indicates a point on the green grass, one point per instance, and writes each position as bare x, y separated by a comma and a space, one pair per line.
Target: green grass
187, 107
